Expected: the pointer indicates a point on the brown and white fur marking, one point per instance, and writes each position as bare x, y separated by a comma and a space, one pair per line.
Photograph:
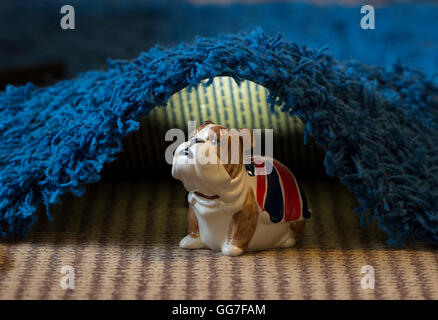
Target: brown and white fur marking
223, 211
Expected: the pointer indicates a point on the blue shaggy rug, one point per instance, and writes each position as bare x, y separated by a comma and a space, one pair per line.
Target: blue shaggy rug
378, 126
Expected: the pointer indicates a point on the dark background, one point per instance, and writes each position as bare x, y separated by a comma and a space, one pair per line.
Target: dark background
35, 48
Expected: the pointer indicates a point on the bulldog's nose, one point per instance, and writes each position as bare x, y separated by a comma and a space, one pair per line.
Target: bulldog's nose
187, 152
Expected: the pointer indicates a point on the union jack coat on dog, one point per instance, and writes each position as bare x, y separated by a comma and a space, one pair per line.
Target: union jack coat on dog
278, 192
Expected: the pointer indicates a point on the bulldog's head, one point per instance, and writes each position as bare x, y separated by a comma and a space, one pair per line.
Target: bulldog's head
211, 161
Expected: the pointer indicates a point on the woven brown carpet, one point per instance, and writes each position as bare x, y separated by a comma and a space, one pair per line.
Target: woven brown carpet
122, 240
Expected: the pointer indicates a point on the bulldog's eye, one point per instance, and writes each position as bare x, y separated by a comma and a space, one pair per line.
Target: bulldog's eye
215, 141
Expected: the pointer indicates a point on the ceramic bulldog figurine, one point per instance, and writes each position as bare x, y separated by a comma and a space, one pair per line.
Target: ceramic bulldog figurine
236, 205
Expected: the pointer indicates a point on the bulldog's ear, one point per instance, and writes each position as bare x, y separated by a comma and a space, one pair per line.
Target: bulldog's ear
247, 138
202, 126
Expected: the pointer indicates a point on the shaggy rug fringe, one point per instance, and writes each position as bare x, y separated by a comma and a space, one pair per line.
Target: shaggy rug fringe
377, 126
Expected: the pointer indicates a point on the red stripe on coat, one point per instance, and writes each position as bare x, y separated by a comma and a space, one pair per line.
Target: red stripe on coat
291, 194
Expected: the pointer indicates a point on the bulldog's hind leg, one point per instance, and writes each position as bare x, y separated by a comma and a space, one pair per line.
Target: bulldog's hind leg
192, 240
242, 227
296, 229
289, 242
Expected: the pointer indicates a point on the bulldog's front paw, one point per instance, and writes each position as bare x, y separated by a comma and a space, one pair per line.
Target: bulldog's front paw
231, 250
189, 242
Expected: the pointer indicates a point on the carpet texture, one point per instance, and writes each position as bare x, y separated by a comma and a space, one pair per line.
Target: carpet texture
377, 126
122, 239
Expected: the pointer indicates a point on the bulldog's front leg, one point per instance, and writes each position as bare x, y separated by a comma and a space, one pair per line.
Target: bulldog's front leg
192, 240
242, 227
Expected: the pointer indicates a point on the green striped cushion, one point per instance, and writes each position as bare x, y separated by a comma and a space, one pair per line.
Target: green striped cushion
226, 103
